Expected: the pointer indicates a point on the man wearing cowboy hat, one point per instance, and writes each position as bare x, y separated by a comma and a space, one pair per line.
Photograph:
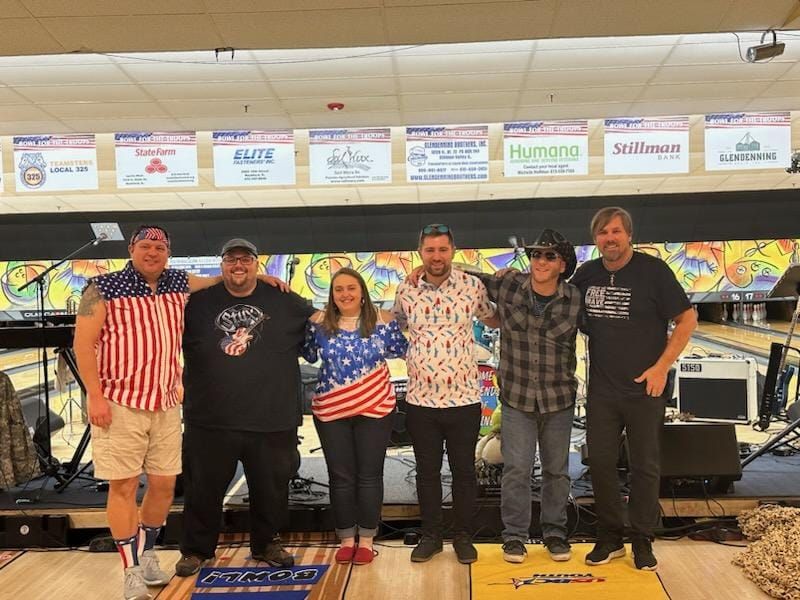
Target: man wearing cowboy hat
539, 316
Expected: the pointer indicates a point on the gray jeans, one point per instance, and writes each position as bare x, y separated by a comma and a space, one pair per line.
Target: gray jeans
520, 433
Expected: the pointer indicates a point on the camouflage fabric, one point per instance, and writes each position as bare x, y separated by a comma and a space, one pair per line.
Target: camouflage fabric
18, 460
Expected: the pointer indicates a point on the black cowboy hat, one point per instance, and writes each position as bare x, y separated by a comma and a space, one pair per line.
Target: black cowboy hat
550, 239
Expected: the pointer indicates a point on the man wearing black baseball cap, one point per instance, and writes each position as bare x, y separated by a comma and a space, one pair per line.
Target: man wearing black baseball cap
241, 377
539, 316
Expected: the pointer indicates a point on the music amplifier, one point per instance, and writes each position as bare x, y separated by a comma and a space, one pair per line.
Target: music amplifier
718, 389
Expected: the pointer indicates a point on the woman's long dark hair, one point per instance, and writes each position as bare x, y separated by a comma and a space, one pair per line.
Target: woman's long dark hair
368, 317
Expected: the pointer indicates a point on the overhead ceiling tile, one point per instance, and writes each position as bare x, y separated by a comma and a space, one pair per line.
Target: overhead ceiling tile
572, 78
209, 91
331, 88
26, 36
461, 83
103, 110
486, 62
486, 100
63, 74
134, 32
57, 94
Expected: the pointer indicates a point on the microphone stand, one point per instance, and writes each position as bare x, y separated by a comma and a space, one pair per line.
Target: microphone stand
51, 465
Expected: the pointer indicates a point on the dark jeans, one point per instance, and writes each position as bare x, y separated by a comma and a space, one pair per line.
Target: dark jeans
209, 463
355, 449
431, 429
642, 417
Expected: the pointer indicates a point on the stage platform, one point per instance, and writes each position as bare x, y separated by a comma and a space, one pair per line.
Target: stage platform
767, 479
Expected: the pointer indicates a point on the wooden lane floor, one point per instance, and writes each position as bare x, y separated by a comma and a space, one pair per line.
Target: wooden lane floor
688, 570
743, 340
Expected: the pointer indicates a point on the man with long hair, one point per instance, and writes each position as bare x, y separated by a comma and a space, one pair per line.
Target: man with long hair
630, 298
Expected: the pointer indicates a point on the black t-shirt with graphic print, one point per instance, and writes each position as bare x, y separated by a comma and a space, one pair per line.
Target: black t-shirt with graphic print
240, 358
627, 320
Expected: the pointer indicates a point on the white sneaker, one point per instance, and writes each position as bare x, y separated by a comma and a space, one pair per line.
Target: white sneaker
134, 587
151, 569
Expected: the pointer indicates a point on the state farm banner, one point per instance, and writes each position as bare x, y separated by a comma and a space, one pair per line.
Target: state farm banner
545, 148
748, 141
350, 156
645, 145
253, 157
445, 153
55, 163
156, 159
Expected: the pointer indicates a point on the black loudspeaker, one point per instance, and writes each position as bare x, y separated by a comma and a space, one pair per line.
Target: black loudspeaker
399, 436
45, 531
699, 458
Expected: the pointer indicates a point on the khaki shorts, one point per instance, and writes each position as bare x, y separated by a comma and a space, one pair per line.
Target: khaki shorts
136, 442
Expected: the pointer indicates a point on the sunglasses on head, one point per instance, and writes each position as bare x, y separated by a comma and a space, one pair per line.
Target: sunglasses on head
435, 228
549, 255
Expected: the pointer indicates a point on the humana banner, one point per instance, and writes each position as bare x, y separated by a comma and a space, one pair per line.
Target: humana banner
546, 148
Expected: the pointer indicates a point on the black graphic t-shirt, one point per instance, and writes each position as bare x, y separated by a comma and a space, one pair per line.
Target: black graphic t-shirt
240, 358
627, 316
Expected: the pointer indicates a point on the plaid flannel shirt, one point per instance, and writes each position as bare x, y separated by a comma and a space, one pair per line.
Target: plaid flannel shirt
537, 353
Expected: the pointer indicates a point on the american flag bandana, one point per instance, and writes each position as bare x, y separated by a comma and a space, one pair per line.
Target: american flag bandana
155, 234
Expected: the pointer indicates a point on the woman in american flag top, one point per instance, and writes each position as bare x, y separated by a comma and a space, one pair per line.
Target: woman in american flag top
353, 406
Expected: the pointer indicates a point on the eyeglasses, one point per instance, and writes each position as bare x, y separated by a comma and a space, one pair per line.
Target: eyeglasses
245, 260
549, 255
435, 228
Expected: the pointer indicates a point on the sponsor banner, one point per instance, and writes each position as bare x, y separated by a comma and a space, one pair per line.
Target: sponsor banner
55, 163
748, 141
350, 156
227, 577
545, 148
641, 146
253, 157
441, 153
156, 159
204, 266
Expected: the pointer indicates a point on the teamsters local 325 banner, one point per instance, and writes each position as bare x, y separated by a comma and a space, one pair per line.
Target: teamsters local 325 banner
350, 156
545, 148
54, 163
253, 157
640, 146
156, 159
748, 141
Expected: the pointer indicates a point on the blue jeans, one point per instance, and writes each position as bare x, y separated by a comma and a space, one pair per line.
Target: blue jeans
520, 432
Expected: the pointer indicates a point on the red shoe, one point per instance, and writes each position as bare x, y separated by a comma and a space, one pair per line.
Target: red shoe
344, 554
364, 556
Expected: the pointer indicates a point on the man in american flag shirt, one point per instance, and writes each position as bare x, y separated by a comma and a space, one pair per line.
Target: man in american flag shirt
127, 344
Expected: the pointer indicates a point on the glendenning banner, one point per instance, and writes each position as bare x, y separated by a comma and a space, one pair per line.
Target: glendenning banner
55, 163
646, 145
445, 153
156, 159
350, 156
545, 148
253, 157
748, 141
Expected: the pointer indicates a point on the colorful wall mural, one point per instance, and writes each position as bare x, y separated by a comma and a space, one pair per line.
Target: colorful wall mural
701, 267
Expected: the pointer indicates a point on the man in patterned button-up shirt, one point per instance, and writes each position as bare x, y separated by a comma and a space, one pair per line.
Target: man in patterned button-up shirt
539, 314
443, 387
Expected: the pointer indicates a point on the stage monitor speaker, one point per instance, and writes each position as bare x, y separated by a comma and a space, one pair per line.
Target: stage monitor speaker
703, 457
33, 410
718, 389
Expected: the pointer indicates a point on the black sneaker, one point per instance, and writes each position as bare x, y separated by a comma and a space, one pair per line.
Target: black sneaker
514, 551
643, 556
274, 555
603, 552
465, 551
559, 548
188, 565
428, 546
